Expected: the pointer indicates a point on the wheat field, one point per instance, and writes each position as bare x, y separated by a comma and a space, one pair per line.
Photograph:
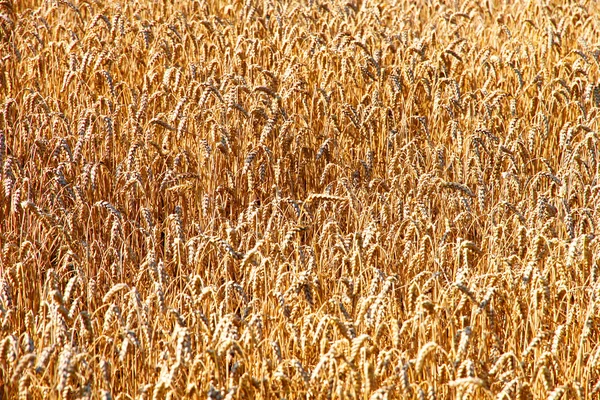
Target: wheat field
299, 199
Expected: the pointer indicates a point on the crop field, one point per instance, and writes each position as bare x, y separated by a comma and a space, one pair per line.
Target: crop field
345, 199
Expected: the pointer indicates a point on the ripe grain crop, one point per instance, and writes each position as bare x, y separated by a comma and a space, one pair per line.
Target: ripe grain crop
299, 199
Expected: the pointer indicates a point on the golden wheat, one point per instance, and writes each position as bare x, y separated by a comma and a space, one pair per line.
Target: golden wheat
299, 199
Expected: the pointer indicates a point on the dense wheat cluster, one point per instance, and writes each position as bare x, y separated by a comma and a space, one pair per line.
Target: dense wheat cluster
299, 199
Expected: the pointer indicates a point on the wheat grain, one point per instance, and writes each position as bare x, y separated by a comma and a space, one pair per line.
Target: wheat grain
383, 191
